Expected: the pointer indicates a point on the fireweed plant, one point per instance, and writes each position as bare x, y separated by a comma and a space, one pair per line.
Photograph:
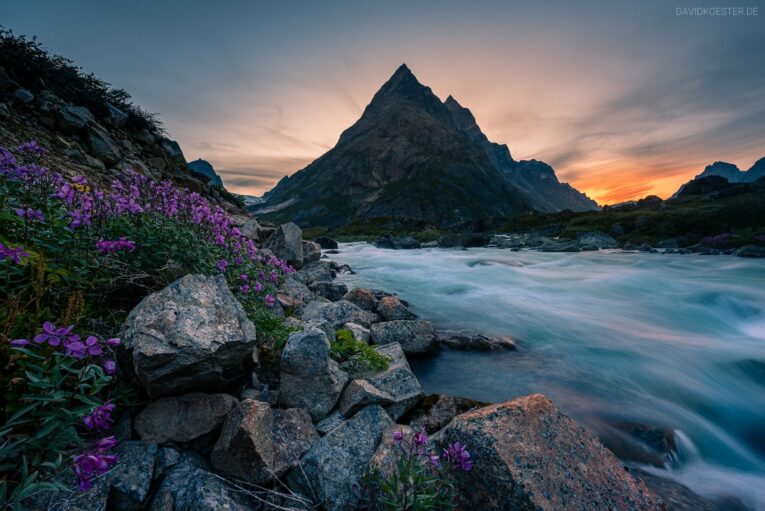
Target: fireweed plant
77, 258
421, 479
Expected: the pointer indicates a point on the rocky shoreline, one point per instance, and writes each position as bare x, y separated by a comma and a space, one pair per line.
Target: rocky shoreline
548, 240
235, 422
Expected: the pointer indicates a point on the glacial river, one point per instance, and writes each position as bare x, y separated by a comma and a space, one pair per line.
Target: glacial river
668, 340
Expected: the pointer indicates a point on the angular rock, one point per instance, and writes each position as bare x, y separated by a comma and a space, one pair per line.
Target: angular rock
318, 271
131, 478
416, 337
286, 243
388, 453
596, 240
559, 246
330, 290
255, 231
116, 116
472, 341
326, 243
311, 252
323, 325
172, 148
397, 242
4, 112
436, 411
294, 294
396, 389
167, 458
391, 308
245, 448
330, 422
337, 313
464, 240
527, 454
359, 332
23, 95
191, 336
293, 436
190, 486
101, 146
310, 379
183, 418
74, 118
750, 251
333, 468
363, 298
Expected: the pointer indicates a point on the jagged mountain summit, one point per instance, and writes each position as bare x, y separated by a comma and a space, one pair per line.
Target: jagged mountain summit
413, 157
205, 168
730, 172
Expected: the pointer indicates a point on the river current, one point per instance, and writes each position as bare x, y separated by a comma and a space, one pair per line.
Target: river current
676, 341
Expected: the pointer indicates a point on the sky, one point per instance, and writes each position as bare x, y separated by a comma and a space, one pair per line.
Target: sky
622, 98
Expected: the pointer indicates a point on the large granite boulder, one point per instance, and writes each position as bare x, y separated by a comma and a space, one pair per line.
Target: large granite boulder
596, 240
363, 298
396, 389
337, 313
311, 252
527, 454
293, 435
310, 379
191, 336
183, 418
101, 146
255, 231
416, 337
245, 449
294, 294
391, 309
330, 290
191, 486
317, 271
333, 468
73, 118
388, 453
326, 243
287, 243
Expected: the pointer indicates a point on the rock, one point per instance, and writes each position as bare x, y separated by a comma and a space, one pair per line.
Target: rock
330, 422
144, 136
472, 341
101, 146
396, 389
559, 246
191, 336
311, 252
359, 332
397, 242
644, 443
116, 116
416, 337
678, 497
333, 468
74, 118
388, 453
23, 95
255, 231
4, 112
130, 479
391, 308
167, 458
326, 243
464, 240
323, 325
750, 251
286, 243
337, 313
436, 411
123, 429
527, 454
190, 486
310, 379
183, 418
172, 148
294, 294
245, 448
293, 436
330, 290
363, 298
596, 240
318, 271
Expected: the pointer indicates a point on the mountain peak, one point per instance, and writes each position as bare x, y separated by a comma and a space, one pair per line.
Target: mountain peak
402, 82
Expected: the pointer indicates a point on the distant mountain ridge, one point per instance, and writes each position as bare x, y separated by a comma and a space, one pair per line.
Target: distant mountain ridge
412, 156
730, 172
205, 168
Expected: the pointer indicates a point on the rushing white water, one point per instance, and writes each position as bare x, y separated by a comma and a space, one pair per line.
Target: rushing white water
667, 340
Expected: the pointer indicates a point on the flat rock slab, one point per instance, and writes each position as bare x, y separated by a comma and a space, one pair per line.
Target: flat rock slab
527, 454
337, 313
415, 337
183, 418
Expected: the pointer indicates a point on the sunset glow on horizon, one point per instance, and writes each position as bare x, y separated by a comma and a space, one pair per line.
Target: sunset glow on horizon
622, 100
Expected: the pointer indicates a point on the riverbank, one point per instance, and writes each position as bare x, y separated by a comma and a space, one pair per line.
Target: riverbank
603, 334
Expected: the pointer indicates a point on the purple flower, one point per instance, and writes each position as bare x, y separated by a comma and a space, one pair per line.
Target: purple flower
92, 346
458, 456
244, 277
398, 436
14, 254
105, 444
18, 343
434, 459
420, 438
91, 464
31, 214
245, 288
106, 246
110, 367
32, 147
76, 349
113, 341
55, 336
100, 418
222, 265
270, 301
258, 287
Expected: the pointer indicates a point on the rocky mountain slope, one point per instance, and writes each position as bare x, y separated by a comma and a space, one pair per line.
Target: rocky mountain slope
730, 172
204, 167
88, 127
412, 157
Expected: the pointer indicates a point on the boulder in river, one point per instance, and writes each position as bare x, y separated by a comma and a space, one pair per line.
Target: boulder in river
464, 240
326, 243
363, 298
415, 337
397, 242
330, 290
311, 252
391, 308
527, 454
473, 341
596, 240
193, 335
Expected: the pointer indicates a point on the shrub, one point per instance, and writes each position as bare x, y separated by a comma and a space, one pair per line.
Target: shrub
359, 356
419, 480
